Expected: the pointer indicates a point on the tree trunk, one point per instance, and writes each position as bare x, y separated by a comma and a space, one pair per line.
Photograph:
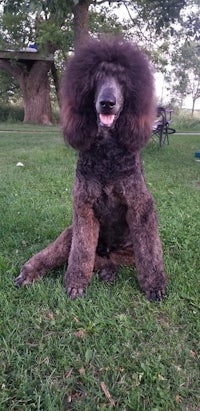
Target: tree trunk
81, 17
193, 104
36, 92
34, 84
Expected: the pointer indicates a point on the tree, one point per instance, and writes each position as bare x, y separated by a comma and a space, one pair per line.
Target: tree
187, 71
32, 77
184, 69
25, 22
51, 26
154, 13
195, 92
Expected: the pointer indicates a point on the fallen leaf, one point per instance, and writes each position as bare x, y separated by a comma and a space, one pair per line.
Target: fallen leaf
192, 354
69, 398
46, 360
178, 368
69, 373
178, 399
73, 396
50, 315
107, 394
79, 333
161, 378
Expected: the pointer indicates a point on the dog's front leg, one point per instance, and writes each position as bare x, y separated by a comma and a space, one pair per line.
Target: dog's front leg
142, 220
83, 248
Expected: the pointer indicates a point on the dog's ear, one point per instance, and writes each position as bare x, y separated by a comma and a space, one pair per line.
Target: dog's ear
136, 119
78, 116
135, 131
79, 128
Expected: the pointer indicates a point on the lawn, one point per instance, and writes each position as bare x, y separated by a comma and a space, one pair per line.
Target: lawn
111, 349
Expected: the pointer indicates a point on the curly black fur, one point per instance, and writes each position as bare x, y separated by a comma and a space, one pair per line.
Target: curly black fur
97, 60
107, 114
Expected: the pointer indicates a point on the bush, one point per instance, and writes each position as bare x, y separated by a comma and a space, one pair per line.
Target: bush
11, 113
184, 122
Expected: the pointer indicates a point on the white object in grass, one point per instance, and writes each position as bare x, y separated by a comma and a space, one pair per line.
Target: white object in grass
19, 164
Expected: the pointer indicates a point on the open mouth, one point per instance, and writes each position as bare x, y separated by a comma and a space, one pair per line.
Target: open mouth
106, 120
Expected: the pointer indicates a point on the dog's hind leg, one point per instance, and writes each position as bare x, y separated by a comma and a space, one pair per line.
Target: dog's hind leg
108, 266
53, 256
123, 256
105, 268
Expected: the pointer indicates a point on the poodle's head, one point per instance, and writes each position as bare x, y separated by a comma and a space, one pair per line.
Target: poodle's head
108, 85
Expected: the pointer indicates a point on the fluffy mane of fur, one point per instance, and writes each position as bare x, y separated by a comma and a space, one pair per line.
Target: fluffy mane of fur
107, 115
132, 69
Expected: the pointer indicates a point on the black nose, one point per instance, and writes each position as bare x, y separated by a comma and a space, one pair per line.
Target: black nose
108, 103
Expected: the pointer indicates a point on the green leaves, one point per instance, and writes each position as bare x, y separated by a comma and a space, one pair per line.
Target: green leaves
25, 22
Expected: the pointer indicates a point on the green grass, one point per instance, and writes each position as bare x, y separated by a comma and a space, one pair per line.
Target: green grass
55, 353
186, 123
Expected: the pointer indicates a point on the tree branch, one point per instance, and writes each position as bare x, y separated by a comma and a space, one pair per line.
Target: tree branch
99, 2
128, 11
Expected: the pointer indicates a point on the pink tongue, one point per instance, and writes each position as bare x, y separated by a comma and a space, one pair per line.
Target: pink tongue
107, 119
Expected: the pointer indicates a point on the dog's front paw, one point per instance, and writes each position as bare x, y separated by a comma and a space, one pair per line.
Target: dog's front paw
155, 295
75, 283
75, 292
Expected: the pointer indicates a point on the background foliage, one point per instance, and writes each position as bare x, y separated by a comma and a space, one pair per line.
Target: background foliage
157, 26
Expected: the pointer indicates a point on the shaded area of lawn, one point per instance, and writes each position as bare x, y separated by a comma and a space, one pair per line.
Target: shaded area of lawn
55, 353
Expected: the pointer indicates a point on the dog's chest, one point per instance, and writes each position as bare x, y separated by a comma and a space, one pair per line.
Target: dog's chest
106, 162
109, 206
111, 210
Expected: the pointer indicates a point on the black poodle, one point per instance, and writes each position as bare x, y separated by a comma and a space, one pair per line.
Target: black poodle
107, 115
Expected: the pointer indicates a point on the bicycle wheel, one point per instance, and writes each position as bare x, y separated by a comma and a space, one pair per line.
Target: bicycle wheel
171, 130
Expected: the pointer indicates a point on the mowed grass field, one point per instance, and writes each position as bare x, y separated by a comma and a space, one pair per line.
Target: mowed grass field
112, 349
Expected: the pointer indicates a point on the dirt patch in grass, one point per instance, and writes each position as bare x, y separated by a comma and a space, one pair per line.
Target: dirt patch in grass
197, 184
